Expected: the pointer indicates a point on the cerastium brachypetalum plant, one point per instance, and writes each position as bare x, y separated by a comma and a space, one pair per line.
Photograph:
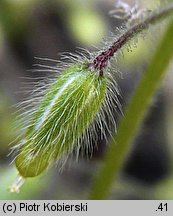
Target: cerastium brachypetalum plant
66, 112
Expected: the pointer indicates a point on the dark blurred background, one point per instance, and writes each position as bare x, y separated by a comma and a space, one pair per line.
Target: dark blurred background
46, 28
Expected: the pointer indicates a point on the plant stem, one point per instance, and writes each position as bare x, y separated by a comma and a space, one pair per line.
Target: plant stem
134, 115
101, 61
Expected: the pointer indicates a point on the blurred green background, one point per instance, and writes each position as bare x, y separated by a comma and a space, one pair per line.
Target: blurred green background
45, 28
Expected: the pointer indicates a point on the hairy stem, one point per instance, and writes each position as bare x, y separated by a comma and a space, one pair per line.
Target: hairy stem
134, 115
101, 61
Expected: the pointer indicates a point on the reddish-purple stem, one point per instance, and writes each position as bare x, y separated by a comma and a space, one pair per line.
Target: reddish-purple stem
101, 61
